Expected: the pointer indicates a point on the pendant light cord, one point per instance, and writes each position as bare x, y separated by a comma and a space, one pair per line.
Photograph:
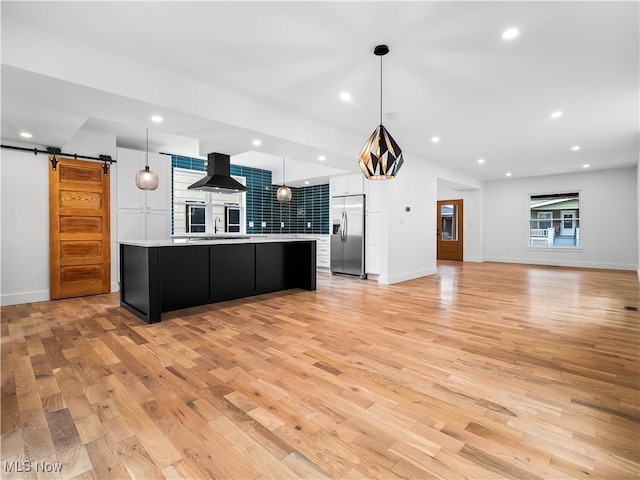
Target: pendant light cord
147, 147
380, 89
283, 172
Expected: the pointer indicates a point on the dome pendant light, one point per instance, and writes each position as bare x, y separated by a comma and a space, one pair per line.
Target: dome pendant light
284, 193
146, 179
380, 157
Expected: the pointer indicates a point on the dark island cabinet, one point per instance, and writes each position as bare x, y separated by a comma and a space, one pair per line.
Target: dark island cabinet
233, 271
270, 267
156, 279
184, 276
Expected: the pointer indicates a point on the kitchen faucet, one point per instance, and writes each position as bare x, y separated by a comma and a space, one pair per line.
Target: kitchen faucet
215, 225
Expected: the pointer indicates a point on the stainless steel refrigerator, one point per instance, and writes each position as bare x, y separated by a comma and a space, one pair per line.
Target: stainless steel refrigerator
347, 235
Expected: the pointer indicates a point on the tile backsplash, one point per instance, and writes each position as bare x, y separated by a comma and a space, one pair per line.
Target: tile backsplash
308, 211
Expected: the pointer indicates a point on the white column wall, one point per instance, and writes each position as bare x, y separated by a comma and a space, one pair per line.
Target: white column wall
24, 180
407, 240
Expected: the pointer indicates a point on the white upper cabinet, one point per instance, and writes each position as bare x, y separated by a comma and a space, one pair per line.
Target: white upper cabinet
160, 198
347, 185
129, 196
143, 214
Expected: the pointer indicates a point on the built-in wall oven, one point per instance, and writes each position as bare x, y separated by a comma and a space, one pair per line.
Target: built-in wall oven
233, 219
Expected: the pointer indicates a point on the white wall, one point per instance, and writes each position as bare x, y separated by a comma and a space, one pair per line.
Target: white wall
638, 215
24, 226
608, 220
407, 242
24, 179
408, 239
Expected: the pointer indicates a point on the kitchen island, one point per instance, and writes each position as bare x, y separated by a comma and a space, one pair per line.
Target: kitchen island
160, 276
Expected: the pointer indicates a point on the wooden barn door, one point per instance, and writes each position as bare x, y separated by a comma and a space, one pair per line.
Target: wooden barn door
79, 229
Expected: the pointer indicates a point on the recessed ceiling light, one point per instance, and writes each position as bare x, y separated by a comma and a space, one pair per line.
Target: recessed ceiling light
306, 182
435, 139
257, 142
25, 135
586, 165
322, 158
481, 160
556, 114
345, 96
575, 148
508, 174
510, 33
156, 118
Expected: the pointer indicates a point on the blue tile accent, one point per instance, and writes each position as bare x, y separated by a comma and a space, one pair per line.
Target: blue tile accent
309, 204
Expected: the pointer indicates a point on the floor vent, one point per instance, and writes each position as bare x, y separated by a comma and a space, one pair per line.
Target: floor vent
633, 309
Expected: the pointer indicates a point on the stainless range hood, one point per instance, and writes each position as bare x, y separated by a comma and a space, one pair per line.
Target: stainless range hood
218, 177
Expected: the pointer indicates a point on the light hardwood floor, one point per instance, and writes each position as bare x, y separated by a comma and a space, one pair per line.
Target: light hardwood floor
483, 371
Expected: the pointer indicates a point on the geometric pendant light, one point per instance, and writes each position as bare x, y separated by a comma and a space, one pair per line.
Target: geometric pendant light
146, 179
380, 157
284, 193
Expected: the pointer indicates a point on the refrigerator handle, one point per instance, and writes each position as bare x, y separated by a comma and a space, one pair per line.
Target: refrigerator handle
346, 226
342, 226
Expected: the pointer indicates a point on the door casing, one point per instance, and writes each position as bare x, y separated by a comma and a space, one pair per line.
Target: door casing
450, 248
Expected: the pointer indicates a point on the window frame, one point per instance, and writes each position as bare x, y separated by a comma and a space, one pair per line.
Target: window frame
556, 222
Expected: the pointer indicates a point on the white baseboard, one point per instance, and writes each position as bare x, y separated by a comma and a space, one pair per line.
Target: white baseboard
563, 263
403, 277
39, 296
26, 297
474, 259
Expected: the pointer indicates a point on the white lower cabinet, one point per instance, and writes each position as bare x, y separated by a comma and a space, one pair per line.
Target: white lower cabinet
323, 251
373, 244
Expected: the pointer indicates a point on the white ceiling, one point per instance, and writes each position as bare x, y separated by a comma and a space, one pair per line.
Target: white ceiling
224, 73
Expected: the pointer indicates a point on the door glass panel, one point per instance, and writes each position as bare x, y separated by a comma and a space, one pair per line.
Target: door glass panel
449, 222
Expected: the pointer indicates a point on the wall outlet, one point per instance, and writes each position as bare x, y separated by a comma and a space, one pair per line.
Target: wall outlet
281, 224
308, 224
264, 224
250, 224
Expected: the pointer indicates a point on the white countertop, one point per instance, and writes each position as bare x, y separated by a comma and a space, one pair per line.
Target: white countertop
222, 239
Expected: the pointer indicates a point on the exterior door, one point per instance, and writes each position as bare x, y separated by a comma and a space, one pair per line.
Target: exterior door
568, 225
79, 229
449, 230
